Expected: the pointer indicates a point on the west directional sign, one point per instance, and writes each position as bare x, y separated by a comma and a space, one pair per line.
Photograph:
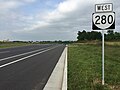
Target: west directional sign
107, 7
104, 17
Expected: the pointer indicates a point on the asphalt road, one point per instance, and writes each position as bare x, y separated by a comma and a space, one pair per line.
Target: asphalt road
28, 67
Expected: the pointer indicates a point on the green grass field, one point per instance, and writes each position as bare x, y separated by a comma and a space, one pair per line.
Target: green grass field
12, 44
84, 67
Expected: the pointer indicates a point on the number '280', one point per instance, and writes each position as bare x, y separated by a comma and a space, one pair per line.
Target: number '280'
104, 19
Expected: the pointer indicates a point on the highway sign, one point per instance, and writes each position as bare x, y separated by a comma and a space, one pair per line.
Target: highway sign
105, 7
102, 21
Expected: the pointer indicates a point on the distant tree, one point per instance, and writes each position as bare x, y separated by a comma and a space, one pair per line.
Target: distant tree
88, 35
110, 35
97, 35
117, 36
110, 32
79, 35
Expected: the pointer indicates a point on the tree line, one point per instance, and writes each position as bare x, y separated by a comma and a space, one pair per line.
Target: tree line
93, 35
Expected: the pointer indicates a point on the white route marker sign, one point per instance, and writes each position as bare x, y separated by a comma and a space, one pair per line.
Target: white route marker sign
103, 21
103, 18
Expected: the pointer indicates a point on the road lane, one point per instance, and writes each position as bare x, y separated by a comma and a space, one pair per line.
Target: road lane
23, 58
31, 73
4, 51
19, 50
19, 56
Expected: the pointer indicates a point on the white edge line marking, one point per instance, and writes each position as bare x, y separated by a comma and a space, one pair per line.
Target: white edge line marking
22, 54
25, 58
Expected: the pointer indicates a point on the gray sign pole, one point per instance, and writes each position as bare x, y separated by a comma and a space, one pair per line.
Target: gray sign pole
102, 57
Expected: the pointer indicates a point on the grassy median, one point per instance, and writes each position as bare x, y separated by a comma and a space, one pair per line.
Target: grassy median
84, 67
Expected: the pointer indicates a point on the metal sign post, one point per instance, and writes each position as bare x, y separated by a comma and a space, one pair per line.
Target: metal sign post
103, 19
103, 57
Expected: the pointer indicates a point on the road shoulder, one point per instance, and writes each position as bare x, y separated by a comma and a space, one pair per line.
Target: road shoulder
58, 78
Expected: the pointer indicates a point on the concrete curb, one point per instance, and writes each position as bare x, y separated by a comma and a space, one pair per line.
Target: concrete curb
58, 78
64, 85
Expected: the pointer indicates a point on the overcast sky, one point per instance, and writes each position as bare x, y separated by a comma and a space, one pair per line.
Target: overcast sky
48, 19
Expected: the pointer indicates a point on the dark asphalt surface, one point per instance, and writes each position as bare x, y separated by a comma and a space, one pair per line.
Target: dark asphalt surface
31, 73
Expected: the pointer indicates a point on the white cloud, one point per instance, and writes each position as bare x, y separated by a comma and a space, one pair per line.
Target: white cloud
33, 27
68, 6
30, 1
5, 35
67, 11
10, 4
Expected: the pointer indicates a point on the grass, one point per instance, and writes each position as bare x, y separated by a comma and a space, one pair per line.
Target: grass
115, 43
84, 67
12, 44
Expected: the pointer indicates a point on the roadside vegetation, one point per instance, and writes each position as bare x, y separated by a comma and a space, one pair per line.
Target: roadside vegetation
85, 62
13, 44
94, 35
